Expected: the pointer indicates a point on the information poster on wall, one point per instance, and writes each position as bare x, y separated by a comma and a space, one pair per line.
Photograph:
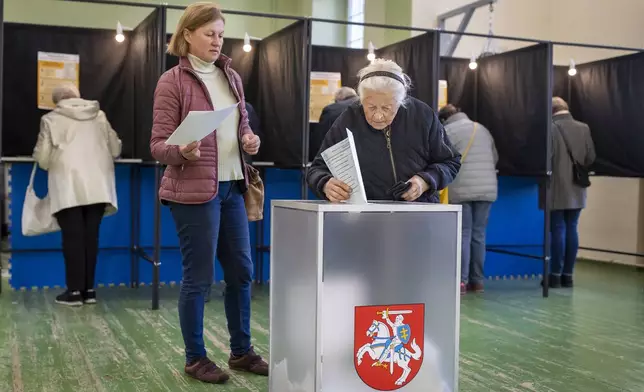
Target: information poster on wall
323, 88
55, 69
442, 94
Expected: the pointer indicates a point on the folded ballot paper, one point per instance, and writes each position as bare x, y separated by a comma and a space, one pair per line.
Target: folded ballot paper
342, 161
197, 125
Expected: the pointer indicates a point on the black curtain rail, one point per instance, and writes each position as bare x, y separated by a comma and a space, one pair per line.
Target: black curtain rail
241, 13
503, 37
116, 2
507, 252
516, 246
615, 252
51, 250
366, 24
592, 46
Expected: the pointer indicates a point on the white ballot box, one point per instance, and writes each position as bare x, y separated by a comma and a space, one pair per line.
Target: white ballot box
364, 297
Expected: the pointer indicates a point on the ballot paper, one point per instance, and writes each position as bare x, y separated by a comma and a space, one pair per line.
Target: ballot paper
342, 161
199, 124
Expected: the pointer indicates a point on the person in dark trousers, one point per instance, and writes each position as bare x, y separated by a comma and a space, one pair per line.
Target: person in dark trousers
77, 146
203, 185
402, 148
571, 139
475, 189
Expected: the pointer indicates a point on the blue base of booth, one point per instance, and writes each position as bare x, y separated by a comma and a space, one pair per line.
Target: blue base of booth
37, 262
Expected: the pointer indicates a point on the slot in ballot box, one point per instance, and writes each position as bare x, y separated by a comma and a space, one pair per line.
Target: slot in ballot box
364, 297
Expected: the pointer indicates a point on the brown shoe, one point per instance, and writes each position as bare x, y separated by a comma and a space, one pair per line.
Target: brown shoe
205, 370
250, 362
476, 287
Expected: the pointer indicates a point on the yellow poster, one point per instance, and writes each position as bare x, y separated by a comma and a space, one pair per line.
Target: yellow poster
323, 88
442, 93
55, 69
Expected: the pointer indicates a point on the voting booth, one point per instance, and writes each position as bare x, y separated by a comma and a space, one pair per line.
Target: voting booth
364, 297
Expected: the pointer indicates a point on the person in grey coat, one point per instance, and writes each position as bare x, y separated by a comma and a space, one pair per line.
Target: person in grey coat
475, 188
567, 199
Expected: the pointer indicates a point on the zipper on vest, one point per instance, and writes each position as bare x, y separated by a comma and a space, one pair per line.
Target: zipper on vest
391, 153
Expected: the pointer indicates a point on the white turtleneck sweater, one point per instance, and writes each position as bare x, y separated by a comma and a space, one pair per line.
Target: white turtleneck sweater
229, 162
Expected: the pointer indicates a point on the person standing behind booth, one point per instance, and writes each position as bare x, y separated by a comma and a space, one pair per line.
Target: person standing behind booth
77, 146
402, 148
343, 98
475, 189
572, 141
203, 185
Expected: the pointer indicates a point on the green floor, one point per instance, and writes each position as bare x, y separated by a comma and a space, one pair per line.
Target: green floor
590, 339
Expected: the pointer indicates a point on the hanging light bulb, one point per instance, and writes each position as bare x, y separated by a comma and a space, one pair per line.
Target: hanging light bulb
372, 52
247, 48
473, 64
119, 37
572, 71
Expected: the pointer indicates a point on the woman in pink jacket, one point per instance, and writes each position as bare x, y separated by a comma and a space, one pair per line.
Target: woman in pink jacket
203, 185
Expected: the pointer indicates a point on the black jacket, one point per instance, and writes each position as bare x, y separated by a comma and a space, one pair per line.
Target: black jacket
330, 113
419, 147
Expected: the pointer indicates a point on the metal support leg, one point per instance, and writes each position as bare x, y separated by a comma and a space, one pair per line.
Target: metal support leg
157, 239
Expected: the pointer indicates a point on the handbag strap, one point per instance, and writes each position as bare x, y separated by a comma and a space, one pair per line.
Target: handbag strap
572, 158
33, 175
469, 144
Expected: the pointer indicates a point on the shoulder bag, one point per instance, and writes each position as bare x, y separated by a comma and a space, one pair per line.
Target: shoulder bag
580, 174
254, 195
37, 218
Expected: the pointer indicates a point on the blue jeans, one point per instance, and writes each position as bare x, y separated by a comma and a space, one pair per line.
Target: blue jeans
474, 224
565, 241
220, 226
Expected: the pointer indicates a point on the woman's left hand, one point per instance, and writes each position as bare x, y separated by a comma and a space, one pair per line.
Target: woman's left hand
418, 187
250, 144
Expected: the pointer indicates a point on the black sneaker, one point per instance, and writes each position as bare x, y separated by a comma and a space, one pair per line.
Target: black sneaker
70, 298
566, 281
89, 297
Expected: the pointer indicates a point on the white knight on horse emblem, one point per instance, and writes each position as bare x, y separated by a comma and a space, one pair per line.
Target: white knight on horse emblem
388, 346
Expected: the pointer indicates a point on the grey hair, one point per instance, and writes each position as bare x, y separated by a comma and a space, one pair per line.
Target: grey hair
64, 91
345, 93
384, 83
558, 104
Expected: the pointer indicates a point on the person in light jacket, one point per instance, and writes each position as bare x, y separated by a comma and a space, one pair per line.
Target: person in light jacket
77, 146
475, 188
204, 185
567, 199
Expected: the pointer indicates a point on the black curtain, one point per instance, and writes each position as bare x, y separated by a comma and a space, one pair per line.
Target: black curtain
461, 84
282, 75
560, 82
147, 46
244, 63
346, 61
512, 102
416, 57
104, 77
608, 95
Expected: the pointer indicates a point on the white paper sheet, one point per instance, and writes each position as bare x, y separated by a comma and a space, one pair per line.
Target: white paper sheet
198, 125
342, 161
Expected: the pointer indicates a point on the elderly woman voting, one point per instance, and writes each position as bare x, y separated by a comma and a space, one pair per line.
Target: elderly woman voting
401, 145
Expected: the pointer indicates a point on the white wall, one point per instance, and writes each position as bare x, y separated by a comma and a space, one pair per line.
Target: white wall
614, 218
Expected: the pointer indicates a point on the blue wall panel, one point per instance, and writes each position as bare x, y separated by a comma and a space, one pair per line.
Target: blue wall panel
39, 269
515, 222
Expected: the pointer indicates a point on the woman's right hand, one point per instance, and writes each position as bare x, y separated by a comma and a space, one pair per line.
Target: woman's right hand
191, 151
336, 190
